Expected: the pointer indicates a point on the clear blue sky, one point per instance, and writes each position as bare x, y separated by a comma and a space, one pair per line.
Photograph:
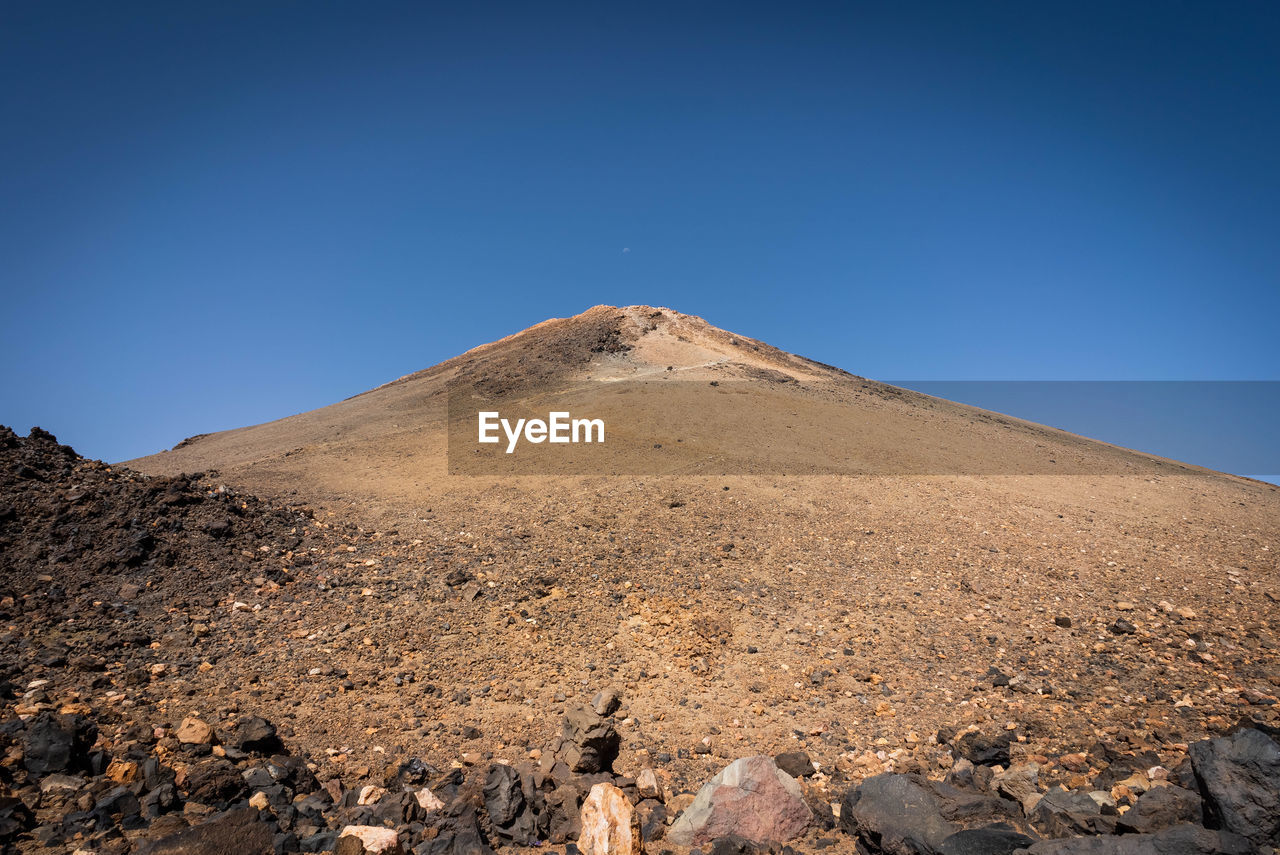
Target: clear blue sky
217, 214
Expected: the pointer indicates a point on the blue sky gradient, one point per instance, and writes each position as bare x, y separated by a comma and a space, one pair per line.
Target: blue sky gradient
220, 214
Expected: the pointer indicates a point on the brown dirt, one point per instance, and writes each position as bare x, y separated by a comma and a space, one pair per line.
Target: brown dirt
849, 615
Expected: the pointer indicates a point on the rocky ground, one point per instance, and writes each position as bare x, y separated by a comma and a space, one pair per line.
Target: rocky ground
184, 664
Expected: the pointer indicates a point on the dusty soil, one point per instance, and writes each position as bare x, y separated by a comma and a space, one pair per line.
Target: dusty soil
414, 613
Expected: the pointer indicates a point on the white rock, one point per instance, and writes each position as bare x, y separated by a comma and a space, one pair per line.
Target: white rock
369, 795
609, 824
647, 785
427, 800
376, 841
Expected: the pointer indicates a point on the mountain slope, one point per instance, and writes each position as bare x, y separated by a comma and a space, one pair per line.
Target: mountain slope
755, 592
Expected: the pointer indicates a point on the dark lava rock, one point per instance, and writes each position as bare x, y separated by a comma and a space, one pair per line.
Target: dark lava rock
592, 741
999, 839
653, 820
256, 735
983, 750
15, 818
236, 832
513, 806
216, 783
1122, 627
896, 815
732, 845
1179, 840
460, 835
795, 763
1160, 808
1239, 777
58, 743
1063, 813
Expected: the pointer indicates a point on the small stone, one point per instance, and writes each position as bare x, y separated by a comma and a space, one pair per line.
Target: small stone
1122, 627
259, 800
370, 795
647, 785
606, 702
795, 763
1063, 621
193, 731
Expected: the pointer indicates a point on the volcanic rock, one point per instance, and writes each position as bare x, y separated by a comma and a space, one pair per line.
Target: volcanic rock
750, 798
591, 741
610, 826
1239, 776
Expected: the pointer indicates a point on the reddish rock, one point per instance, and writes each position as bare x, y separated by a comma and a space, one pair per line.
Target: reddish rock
752, 799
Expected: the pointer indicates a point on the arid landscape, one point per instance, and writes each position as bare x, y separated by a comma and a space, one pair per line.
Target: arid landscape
957, 632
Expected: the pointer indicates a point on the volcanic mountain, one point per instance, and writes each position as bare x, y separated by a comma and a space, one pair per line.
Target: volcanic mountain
850, 567
766, 554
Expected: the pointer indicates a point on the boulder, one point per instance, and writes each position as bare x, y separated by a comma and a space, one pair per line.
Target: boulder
1179, 840
57, 743
1160, 808
750, 798
15, 816
998, 839
514, 806
215, 782
1020, 783
236, 832
591, 741
610, 826
1064, 813
897, 815
606, 702
1239, 777
256, 735
647, 785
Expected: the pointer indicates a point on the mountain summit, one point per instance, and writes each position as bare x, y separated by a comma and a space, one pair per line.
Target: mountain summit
680, 396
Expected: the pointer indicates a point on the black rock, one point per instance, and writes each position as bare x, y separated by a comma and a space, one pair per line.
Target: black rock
240, 831
1122, 627
15, 818
257, 736
1160, 808
1179, 840
795, 763
515, 807
653, 820
323, 841
999, 839
1063, 813
216, 783
896, 815
983, 750
57, 743
461, 835
592, 741
1239, 777
732, 845
414, 772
